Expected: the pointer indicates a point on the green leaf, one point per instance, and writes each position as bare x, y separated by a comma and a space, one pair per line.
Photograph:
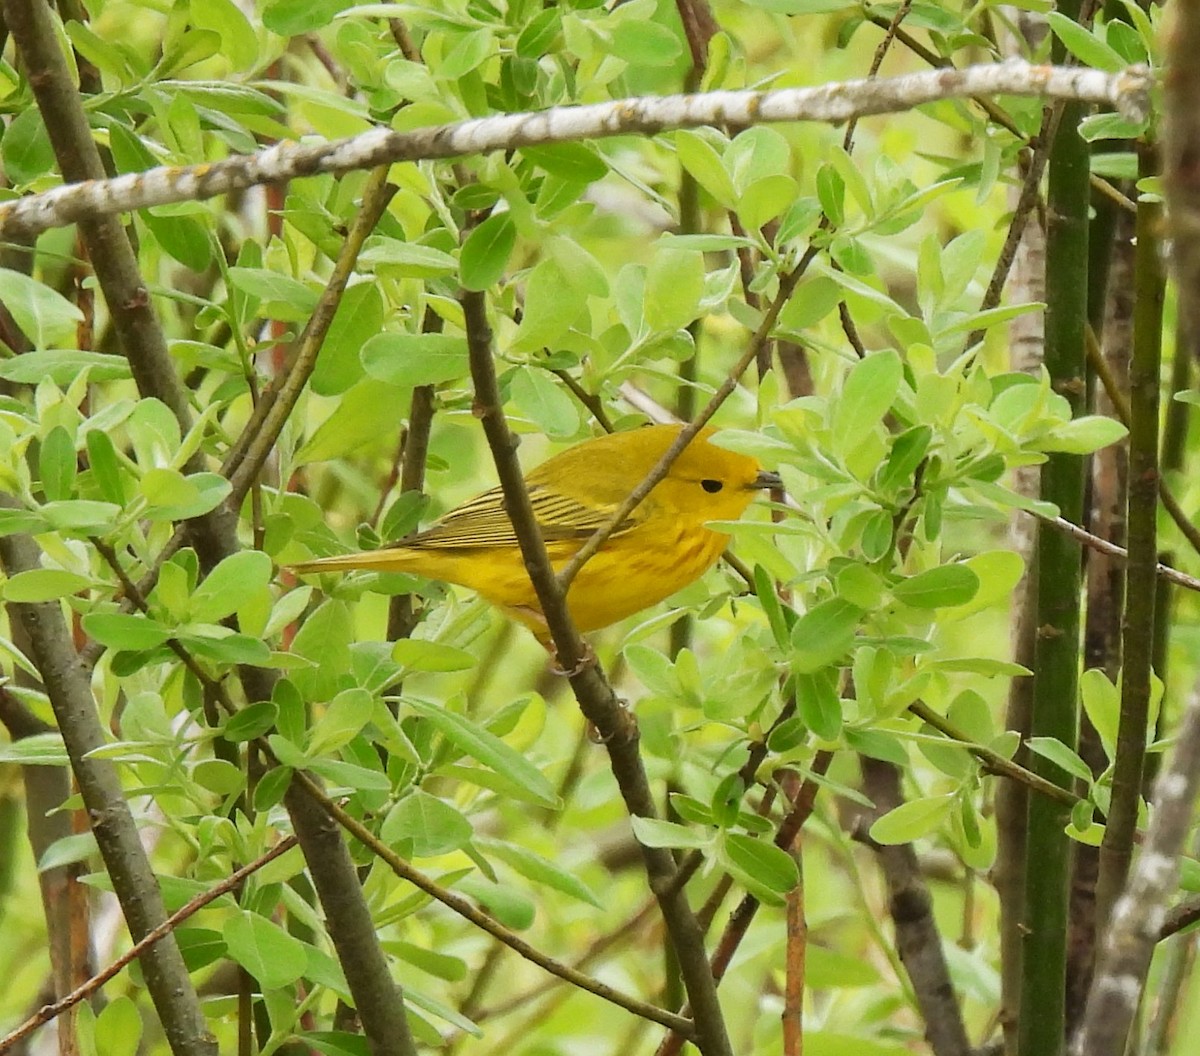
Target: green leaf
1102, 702
118, 630
226, 647
416, 654
823, 635
553, 304
938, 587
760, 862
912, 820
38, 749
574, 162
56, 464
433, 826
406, 260
544, 402
508, 905
1062, 756
704, 164
229, 586
489, 750
64, 365
185, 238
908, 451
644, 43
766, 199
271, 787
25, 150
653, 669
440, 965
272, 956
281, 295
43, 584
867, 395
674, 286
540, 870
1084, 435
415, 359
818, 705
106, 467
12, 521
651, 832
173, 497
295, 18
118, 1028
344, 718
238, 41
252, 721
46, 317
1085, 46
359, 317
324, 638
485, 252
82, 516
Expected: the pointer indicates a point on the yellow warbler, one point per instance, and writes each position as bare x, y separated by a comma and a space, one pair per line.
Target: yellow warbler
660, 548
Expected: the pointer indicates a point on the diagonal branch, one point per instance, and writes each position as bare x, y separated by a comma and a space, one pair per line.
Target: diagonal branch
48, 1012
597, 701
70, 692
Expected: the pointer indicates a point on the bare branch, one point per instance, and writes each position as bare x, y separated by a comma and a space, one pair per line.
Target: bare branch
1128, 91
48, 1012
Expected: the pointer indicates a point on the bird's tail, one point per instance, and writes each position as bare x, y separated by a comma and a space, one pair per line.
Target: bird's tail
387, 559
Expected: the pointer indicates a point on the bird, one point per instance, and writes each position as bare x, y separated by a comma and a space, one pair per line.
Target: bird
664, 544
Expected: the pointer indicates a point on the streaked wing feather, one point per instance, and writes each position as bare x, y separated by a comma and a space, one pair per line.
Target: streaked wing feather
483, 522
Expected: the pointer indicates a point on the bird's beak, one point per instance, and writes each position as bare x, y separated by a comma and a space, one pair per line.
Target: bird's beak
767, 479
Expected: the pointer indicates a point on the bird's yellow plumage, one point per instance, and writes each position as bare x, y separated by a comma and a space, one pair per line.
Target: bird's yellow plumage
662, 547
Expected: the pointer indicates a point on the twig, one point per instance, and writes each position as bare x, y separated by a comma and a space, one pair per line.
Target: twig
112, 821
1121, 405
993, 762
48, 1012
1172, 575
910, 904
464, 908
787, 284
277, 401
617, 727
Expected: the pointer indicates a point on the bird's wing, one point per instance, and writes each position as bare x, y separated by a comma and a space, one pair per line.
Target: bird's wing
483, 522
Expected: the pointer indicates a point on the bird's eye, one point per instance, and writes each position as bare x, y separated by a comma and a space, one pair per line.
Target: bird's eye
711, 486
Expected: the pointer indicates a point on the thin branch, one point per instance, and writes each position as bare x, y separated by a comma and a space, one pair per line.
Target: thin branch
1139, 917
1128, 91
244, 462
276, 403
468, 911
616, 725
1121, 405
992, 761
1172, 575
787, 284
48, 1012
918, 940
68, 687
1137, 639
802, 803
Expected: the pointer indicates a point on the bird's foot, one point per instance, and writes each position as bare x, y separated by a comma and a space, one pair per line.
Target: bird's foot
587, 659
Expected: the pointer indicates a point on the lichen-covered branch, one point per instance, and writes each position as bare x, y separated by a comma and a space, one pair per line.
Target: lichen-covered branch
1128, 91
